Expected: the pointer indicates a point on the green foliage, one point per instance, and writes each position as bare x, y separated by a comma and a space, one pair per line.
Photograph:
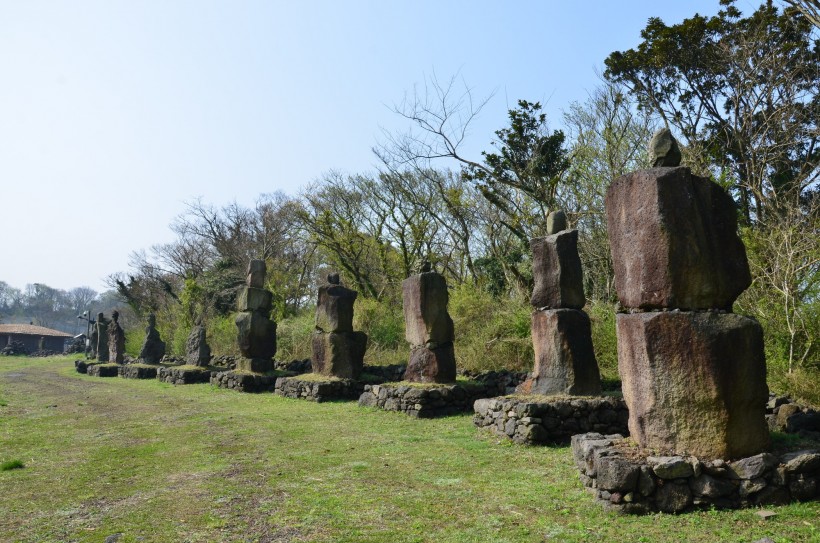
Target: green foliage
134, 338
491, 333
741, 90
11, 464
383, 322
604, 340
293, 336
222, 335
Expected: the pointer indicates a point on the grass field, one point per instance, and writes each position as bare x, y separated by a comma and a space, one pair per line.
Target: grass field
158, 463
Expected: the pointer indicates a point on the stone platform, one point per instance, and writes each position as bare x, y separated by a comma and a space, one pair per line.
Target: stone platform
184, 375
103, 370
82, 365
319, 388
139, 371
246, 381
426, 400
625, 481
539, 420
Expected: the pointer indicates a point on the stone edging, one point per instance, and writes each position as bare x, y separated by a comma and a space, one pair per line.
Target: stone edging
427, 401
628, 483
134, 371
103, 370
538, 420
318, 390
177, 376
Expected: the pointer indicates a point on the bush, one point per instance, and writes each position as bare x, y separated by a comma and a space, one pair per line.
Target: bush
491, 333
293, 336
383, 322
222, 335
604, 340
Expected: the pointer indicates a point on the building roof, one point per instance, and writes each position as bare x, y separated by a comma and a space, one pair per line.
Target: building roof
31, 330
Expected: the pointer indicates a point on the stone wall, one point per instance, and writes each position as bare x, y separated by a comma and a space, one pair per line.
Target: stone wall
183, 375
139, 371
244, 381
103, 370
319, 391
627, 482
540, 420
426, 401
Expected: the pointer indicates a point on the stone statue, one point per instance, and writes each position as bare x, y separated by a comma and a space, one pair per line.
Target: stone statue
116, 339
153, 348
102, 338
663, 149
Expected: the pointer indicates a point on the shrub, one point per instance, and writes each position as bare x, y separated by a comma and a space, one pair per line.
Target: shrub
222, 335
293, 336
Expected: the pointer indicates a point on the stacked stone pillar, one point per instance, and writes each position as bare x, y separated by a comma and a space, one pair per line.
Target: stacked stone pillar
561, 332
256, 331
428, 328
338, 351
693, 373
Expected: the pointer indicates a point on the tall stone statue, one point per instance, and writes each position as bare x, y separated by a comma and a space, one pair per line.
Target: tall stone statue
561, 332
338, 351
256, 332
116, 339
197, 350
153, 348
694, 378
428, 328
102, 338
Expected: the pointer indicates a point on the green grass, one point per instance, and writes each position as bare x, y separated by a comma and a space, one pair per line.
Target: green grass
11, 464
196, 463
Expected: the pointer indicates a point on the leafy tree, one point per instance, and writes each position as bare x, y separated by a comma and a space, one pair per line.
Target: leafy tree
742, 90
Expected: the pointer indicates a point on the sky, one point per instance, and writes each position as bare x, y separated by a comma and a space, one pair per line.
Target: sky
115, 113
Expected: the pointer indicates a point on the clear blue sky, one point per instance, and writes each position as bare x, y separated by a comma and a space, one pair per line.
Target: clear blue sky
115, 113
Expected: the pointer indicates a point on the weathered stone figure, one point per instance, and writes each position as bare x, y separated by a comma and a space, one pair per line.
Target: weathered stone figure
92, 343
694, 378
153, 348
561, 333
663, 149
256, 331
197, 350
429, 328
338, 351
116, 339
102, 338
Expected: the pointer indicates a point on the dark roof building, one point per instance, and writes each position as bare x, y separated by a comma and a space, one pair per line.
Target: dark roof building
30, 336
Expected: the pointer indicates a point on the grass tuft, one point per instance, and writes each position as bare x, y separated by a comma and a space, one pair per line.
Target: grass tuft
11, 464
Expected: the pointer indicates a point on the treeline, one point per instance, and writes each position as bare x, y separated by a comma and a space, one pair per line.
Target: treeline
741, 93
50, 307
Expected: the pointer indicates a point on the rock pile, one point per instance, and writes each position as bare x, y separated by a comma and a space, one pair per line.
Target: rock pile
153, 348
428, 328
561, 333
338, 351
694, 374
256, 331
14, 348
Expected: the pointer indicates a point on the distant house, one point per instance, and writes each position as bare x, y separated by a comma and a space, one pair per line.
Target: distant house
30, 335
